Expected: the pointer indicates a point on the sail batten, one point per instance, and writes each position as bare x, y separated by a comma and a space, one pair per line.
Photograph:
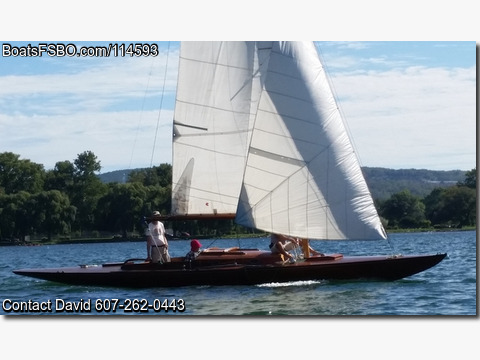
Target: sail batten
265, 139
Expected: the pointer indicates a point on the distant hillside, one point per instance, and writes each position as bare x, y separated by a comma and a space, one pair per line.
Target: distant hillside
381, 181
385, 182
120, 176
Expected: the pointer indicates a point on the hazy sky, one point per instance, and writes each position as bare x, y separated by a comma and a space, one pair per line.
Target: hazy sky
407, 104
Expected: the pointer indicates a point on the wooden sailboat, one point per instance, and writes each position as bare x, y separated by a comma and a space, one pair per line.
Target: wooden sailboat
258, 137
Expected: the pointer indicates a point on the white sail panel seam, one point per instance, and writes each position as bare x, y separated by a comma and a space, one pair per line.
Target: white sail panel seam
210, 150
212, 107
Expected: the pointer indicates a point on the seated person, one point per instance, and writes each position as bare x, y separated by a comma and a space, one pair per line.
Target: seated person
281, 244
195, 246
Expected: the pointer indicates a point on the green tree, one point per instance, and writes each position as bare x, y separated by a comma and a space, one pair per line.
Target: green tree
121, 207
470, 179
86, 165
404, 210
16, 220
53, 213
453, 206
158, 198
87, 189
156, 175
18, 175
434, 207
157, 181
61, 177
460, 203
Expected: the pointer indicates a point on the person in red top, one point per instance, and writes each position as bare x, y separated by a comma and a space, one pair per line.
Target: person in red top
195, 246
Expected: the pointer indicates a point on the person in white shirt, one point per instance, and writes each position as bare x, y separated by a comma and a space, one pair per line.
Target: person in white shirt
282, 244
157, 244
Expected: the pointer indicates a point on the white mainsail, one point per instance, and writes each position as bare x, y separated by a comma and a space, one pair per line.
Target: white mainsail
211, 126
265, 111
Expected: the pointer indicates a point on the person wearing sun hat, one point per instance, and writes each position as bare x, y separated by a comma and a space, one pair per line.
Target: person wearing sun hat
157, 244
195, 246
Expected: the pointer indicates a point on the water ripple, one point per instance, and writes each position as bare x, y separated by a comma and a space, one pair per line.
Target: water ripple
447, 289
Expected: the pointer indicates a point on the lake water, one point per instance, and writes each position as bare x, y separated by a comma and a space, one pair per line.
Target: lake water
446, 289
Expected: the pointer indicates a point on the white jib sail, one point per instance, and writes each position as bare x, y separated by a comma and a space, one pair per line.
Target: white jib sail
302, 175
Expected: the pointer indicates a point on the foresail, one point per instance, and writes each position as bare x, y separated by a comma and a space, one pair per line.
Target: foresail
302, 175
211, 126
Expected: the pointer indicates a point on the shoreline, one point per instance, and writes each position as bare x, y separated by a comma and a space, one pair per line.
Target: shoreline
242, 236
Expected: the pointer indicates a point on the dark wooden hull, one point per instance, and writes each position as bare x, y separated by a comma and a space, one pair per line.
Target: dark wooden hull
237, 267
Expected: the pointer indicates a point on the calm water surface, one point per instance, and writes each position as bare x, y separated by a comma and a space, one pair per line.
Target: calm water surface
447, 289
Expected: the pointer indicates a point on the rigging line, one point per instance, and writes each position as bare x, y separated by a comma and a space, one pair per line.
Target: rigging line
391, 245
161, 104
141, 114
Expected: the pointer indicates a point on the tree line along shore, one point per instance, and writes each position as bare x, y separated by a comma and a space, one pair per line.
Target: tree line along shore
73, 203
